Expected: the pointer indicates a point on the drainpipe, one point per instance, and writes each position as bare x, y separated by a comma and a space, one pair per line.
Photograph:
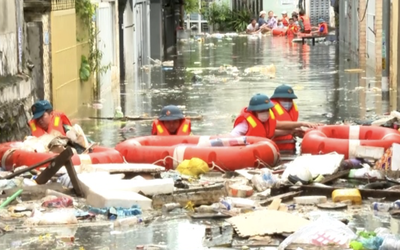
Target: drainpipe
385, 47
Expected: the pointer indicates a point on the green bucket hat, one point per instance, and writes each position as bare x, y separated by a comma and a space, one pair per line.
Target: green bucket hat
260, 102
284, 91
170, 113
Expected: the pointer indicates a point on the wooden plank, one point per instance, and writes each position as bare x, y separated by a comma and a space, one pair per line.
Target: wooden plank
38, 192
209, 216
198, 198
275, 204
336, 176
283, 197
327, 191
201, 189
54, 166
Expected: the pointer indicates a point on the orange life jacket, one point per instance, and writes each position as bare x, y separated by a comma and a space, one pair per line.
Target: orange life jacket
325, 32
292, 30
285, 21
256, 127
306, 23
58, 120
286, 143
159, 128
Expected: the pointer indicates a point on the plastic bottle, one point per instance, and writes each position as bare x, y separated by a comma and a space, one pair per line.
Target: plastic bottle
350, 164
128, 221
385, 207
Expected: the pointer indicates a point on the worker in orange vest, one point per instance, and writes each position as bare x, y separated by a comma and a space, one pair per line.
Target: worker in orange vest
285, 19
322, 29
47, 121
293, 29
285, 110
304, 22
171, 122
258, 119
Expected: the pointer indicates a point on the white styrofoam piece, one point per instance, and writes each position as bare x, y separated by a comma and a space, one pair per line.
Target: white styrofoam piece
313, 199
244, 173
102, 199
120, 167
105, 181
316, 164
369, 152
395, 165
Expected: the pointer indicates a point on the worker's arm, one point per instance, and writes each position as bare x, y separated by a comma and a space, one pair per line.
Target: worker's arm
286, 125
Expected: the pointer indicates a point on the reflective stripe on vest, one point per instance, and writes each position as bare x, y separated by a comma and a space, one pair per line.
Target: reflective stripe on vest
160, 129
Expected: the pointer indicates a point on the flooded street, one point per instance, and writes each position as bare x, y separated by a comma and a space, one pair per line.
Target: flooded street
327, 93
202, 82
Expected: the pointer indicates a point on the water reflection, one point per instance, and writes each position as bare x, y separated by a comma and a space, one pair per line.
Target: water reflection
327, 93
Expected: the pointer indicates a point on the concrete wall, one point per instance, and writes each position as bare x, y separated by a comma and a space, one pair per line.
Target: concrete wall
65, 79
8, 38
16, 96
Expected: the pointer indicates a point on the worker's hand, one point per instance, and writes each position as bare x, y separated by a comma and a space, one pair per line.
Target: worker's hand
310, 124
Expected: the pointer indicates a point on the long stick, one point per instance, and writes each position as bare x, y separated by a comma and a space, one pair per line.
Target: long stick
16, 173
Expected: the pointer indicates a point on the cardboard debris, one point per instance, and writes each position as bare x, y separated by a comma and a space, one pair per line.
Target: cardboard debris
266, 222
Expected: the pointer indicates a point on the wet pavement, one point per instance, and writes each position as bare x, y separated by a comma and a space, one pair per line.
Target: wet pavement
317, 73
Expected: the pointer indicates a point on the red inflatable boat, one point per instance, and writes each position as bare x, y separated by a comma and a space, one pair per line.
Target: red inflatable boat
12, 157
279, 32
169, 151
344, 139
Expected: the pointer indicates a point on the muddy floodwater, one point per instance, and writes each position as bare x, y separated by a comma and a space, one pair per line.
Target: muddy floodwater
330, 88
215, 79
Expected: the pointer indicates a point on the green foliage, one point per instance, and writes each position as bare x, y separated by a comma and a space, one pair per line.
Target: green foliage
84, 71
226, 19
191, 6
91, 64
240, 20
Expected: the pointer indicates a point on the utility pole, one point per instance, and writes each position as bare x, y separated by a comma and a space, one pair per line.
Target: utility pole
385, 47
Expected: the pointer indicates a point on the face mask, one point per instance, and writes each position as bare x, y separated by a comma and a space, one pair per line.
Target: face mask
286, 105
264, 116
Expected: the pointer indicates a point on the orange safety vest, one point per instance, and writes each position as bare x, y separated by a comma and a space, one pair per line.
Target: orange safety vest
58, 120
285, 22
158, 128
286, 143
256, 127
306, 23
325, 32
292, 30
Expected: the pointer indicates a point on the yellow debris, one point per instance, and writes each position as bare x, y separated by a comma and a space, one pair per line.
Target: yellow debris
193, 167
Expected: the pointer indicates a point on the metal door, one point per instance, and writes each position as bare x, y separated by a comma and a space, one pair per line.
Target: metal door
105, 43
139, 34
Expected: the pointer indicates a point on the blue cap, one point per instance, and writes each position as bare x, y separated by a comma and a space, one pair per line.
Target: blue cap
284, 91
321, 20
260, 102
39, 108
171, 113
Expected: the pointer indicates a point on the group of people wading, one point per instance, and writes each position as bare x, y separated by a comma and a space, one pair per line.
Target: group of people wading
299, 23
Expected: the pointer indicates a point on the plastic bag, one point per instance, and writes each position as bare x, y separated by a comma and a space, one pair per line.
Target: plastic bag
193, 167
390, 243
322, 232
56, 217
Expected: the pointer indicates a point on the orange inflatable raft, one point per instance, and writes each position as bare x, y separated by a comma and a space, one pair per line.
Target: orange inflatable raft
279, 32
169, 151
345, 139
12, 156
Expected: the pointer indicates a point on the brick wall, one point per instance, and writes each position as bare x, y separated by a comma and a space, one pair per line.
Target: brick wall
362, 35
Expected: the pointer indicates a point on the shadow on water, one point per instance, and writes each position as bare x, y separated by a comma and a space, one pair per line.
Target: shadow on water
327, 93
